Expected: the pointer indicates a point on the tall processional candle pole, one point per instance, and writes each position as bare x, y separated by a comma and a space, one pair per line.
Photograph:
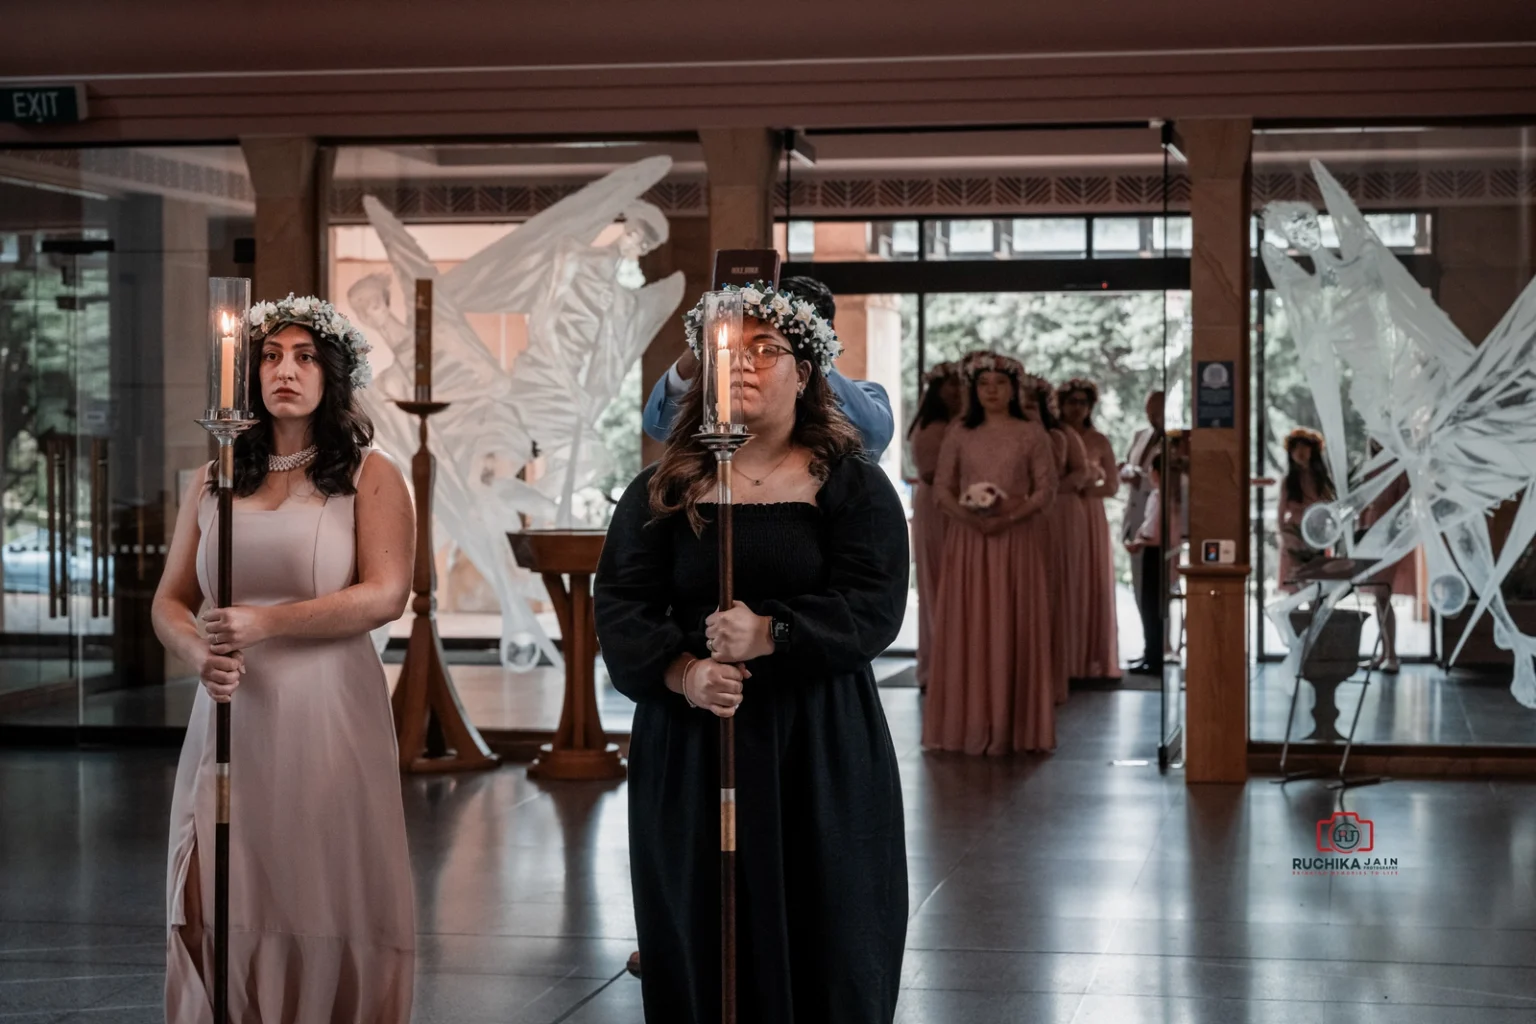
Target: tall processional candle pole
227, 415
721, 352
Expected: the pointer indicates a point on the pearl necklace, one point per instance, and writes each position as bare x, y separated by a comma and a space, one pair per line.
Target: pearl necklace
298, 460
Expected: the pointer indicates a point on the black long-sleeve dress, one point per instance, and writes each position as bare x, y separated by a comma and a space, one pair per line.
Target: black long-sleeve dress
821, 853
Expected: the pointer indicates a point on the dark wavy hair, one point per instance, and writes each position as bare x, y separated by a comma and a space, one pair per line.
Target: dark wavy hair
975, 415
686, 471
1043, 395
338, 428
1316, 465
932, 408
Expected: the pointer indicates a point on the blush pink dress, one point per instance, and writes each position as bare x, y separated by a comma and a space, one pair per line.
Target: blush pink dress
928, 524
1069, 562
1100, 650
991, 689
322, 917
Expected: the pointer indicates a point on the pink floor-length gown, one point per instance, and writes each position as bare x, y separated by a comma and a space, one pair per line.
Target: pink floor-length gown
1070, 565
1101, 627
322, 917
928, 524
991, 691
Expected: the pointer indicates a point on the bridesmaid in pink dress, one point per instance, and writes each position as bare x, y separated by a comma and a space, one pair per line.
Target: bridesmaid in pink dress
991, 690
940, 404
1100, 649
1068, 541
1307, 482
322, 920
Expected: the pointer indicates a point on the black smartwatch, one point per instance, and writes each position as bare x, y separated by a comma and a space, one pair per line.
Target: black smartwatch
778, 630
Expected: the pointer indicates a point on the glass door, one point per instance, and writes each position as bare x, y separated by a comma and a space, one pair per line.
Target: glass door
53, 460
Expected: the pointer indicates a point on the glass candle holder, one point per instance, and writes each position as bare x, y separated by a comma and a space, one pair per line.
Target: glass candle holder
720, 354
229, 333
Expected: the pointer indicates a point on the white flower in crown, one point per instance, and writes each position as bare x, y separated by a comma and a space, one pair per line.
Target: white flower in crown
804, 311
300, 307
751, 296
779, 305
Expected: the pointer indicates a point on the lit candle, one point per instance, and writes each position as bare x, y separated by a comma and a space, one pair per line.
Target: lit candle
723, 374
226, 361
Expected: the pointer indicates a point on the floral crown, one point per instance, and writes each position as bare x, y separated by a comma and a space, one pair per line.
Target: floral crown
1082, 384
978, 363
1302, 434
322, 319
795, 318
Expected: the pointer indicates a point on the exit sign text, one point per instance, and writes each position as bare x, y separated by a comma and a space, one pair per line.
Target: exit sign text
45, 104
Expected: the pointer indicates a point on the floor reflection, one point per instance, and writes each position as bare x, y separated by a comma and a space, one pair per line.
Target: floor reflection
1060, 888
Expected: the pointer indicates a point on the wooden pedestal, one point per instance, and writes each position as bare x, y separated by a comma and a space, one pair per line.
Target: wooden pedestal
431, 729
581, 749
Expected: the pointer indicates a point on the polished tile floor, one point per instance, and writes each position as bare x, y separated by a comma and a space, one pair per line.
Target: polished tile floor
1062, 889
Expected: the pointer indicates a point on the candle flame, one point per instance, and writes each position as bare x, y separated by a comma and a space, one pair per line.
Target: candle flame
226, 322
723, 337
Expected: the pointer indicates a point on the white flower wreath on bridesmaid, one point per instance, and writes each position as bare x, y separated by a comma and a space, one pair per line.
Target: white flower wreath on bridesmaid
978, 363
795, 318
324, 321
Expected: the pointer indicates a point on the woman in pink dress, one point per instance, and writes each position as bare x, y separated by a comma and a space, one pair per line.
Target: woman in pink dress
1100, 649
1307, 482
939, 405
991, 689
1067, 538
321, 915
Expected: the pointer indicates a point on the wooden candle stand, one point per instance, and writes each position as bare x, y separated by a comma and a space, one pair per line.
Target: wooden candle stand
432, 731
580, 750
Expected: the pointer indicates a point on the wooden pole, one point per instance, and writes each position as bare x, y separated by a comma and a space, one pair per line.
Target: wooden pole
225, 598
727, 760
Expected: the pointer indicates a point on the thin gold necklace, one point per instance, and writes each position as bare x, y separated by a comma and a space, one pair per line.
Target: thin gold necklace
775, 469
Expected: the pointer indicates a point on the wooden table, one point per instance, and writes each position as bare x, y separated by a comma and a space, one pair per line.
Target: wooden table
580, 749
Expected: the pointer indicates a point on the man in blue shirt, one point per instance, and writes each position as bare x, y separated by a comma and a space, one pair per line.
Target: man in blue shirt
864, 402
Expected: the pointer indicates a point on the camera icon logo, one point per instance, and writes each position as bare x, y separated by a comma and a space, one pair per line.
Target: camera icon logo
1345, 832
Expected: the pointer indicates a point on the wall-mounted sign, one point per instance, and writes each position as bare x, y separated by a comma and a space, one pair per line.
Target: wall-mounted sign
1215, 405
42, 104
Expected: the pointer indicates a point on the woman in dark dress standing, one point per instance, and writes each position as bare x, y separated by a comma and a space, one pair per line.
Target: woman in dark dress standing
821, 566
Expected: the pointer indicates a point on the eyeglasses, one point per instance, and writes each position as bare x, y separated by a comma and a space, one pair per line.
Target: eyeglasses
764, 354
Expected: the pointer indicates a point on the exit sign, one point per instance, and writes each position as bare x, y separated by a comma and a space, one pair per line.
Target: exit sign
43, 104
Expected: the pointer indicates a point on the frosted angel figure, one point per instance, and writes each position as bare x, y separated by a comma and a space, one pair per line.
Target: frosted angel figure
585, 331
1458, 419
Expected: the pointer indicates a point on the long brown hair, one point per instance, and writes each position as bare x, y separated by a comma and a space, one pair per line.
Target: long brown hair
687, 469
339, 427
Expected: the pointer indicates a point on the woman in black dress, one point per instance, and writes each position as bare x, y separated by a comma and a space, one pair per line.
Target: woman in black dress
821, 566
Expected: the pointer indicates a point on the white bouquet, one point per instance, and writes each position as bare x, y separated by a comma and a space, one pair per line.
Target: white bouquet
981, 497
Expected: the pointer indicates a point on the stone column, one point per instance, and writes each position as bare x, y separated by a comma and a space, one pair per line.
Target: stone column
1219, 151
741, 163
284, 175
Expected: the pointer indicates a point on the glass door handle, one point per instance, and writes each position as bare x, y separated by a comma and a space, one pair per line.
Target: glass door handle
57, 455
50, 461
100, 528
